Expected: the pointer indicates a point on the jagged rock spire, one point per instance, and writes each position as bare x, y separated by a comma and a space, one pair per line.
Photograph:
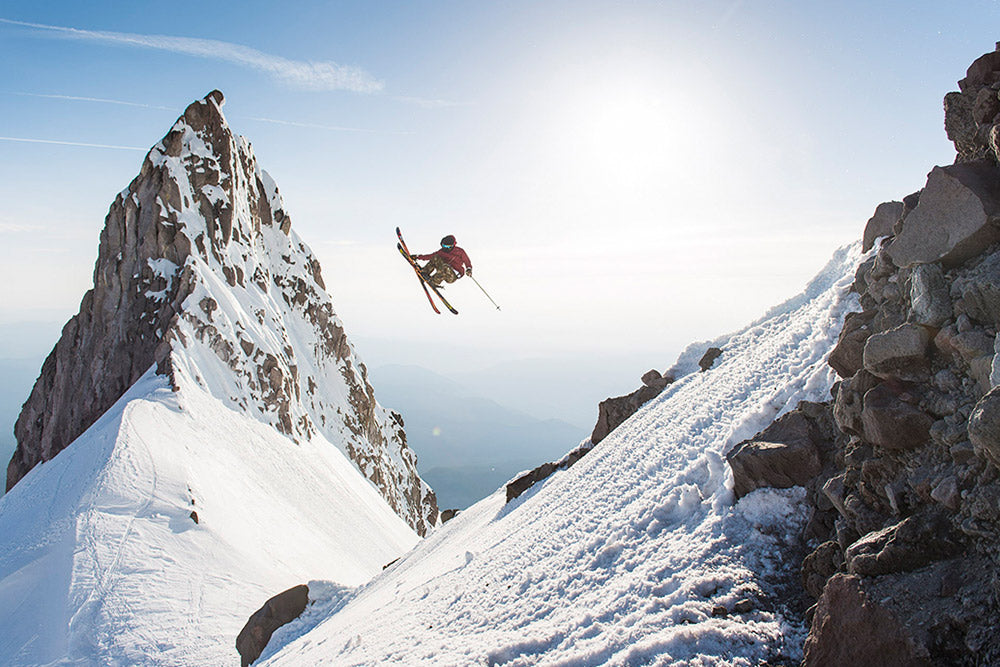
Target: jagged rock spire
199, 273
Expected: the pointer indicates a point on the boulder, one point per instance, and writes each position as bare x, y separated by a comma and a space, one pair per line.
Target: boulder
908, 545
276, 612
881, 224
847, 358
849, 401
900, 353
984, 425
708, 359
652, 378
955, 219
781, 456
891, 423
972, 344
849, 628
929, 297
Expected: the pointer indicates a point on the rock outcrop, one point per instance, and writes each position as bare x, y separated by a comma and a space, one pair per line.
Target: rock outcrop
905, 537
199, 272
283, 608
525, 481
612, 412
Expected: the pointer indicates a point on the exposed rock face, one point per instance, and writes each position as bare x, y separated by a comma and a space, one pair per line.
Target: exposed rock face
612, 412
971, 116
281, 609
905, 535
197, 260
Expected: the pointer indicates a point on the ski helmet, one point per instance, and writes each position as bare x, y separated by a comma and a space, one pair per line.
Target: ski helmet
448, 241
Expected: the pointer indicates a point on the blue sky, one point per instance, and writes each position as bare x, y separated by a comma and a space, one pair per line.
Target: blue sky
625, 175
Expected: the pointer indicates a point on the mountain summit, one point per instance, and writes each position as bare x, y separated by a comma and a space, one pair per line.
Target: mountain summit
200, 274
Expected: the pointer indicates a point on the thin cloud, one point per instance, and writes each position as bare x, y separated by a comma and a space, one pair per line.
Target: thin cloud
72, 143
318, 126
101, 100
296, 73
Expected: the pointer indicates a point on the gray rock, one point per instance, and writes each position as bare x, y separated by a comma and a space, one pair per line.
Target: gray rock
893, 424
652, 378
929, 296
984, 425
995, 364
847, 357
972, 344
849, 401
276, 612
899, 353
946, 492
955, 219
882, 223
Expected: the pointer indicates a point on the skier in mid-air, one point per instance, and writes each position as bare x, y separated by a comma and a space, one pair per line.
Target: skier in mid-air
445, 265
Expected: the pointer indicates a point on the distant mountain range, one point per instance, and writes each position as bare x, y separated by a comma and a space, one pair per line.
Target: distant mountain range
467, 445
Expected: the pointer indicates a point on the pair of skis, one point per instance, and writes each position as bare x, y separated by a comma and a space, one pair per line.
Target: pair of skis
404, 251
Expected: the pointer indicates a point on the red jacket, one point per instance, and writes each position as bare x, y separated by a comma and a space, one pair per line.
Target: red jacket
455, 258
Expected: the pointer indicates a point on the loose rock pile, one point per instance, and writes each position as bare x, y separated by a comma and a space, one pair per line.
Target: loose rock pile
906, 528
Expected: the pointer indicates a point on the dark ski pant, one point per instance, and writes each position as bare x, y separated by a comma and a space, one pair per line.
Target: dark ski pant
436, 270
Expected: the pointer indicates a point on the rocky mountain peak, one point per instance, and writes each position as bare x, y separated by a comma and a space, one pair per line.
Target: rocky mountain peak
200, 274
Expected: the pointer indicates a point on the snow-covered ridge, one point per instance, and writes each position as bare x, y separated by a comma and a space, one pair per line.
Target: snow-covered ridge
152, 538
635, 555
200, 272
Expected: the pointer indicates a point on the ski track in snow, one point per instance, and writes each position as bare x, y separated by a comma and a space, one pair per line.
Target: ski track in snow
621, 559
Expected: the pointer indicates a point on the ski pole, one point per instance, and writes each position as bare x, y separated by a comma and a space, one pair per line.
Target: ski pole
484, 292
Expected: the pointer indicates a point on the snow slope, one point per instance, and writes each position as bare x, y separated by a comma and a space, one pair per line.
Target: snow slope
101, 562
621, 559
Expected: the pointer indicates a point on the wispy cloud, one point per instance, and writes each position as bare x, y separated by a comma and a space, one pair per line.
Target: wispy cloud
324, 75
319, 126
25, 140
102, 100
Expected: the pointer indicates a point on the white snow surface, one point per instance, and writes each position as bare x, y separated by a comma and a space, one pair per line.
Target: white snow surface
101, 562
620, 559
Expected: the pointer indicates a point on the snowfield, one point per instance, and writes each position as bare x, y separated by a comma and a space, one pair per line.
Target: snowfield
622, 559
102, 562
